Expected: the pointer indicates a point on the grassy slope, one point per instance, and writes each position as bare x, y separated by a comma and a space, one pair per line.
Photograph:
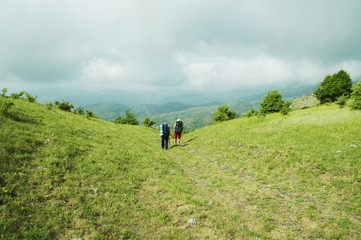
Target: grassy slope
292, 177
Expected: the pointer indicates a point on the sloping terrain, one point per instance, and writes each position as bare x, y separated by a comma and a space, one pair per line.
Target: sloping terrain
64, 176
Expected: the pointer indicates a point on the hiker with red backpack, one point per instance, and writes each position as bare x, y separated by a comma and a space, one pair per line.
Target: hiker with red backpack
178, 129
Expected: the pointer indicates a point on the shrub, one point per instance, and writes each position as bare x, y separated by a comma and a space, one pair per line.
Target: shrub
17, 95
49, 105
30, 97
64, 105
148, 122
250, 113
286, 108
223, 113
79, 110
272, 102
334, 86
355, 100
90, 114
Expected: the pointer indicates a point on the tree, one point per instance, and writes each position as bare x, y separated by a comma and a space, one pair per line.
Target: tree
272, 102
355, 102
223, 113
129, 118
334, 86
148, 122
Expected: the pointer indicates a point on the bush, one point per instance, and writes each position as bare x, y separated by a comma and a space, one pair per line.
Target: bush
64, 105
355, 100
334, 86
49, 105
250, 113
148, 122
79, 110
90, 114
272, 102
286, 108
30, 97
223, 113
17, 95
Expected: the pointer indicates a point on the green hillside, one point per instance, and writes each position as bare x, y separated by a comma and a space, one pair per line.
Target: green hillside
64, 176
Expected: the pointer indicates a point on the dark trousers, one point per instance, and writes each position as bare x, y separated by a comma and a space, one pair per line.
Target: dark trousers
164, 141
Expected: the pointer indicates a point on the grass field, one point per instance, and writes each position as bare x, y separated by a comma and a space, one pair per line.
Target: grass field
64, 176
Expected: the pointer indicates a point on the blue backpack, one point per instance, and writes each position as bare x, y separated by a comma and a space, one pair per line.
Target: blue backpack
166, 130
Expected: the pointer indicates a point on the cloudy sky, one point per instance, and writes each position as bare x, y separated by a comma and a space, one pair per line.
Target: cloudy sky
198, 44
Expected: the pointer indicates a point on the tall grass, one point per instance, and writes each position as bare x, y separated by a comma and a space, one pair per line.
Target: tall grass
64, 176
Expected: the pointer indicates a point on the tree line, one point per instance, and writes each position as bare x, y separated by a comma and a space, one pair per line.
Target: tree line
337, 88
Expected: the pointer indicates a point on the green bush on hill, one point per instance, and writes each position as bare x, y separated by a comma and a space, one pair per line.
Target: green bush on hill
148, 122
334, 86
64, 105
272, 102
250, 113
79, 110
223, 113
286, 107
17, 95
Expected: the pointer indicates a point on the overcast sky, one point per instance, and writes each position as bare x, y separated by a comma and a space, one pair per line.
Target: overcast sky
198, 44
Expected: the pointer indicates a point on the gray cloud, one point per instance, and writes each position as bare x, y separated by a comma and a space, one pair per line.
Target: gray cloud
190, 44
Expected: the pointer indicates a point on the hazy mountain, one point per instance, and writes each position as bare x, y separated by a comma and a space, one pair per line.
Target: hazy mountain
197, 107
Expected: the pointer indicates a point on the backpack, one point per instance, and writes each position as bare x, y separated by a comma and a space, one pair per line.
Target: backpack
178, 126
166, 130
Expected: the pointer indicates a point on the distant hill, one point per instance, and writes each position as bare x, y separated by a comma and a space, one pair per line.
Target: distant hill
66, 176
196, 115
195, 108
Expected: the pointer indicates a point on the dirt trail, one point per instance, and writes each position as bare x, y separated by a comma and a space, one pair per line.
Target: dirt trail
222, 190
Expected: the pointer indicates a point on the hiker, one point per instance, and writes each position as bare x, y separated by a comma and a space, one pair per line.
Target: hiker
164, 133
178, 129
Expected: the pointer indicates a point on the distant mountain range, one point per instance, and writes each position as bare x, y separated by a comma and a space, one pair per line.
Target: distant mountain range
195, 108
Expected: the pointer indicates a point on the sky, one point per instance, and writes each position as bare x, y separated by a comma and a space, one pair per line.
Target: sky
184, 44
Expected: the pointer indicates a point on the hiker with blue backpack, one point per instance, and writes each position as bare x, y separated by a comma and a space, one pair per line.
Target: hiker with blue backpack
164, 133
178, 129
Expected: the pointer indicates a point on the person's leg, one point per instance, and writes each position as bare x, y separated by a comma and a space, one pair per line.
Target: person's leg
179, 137
166, 143
162, 142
